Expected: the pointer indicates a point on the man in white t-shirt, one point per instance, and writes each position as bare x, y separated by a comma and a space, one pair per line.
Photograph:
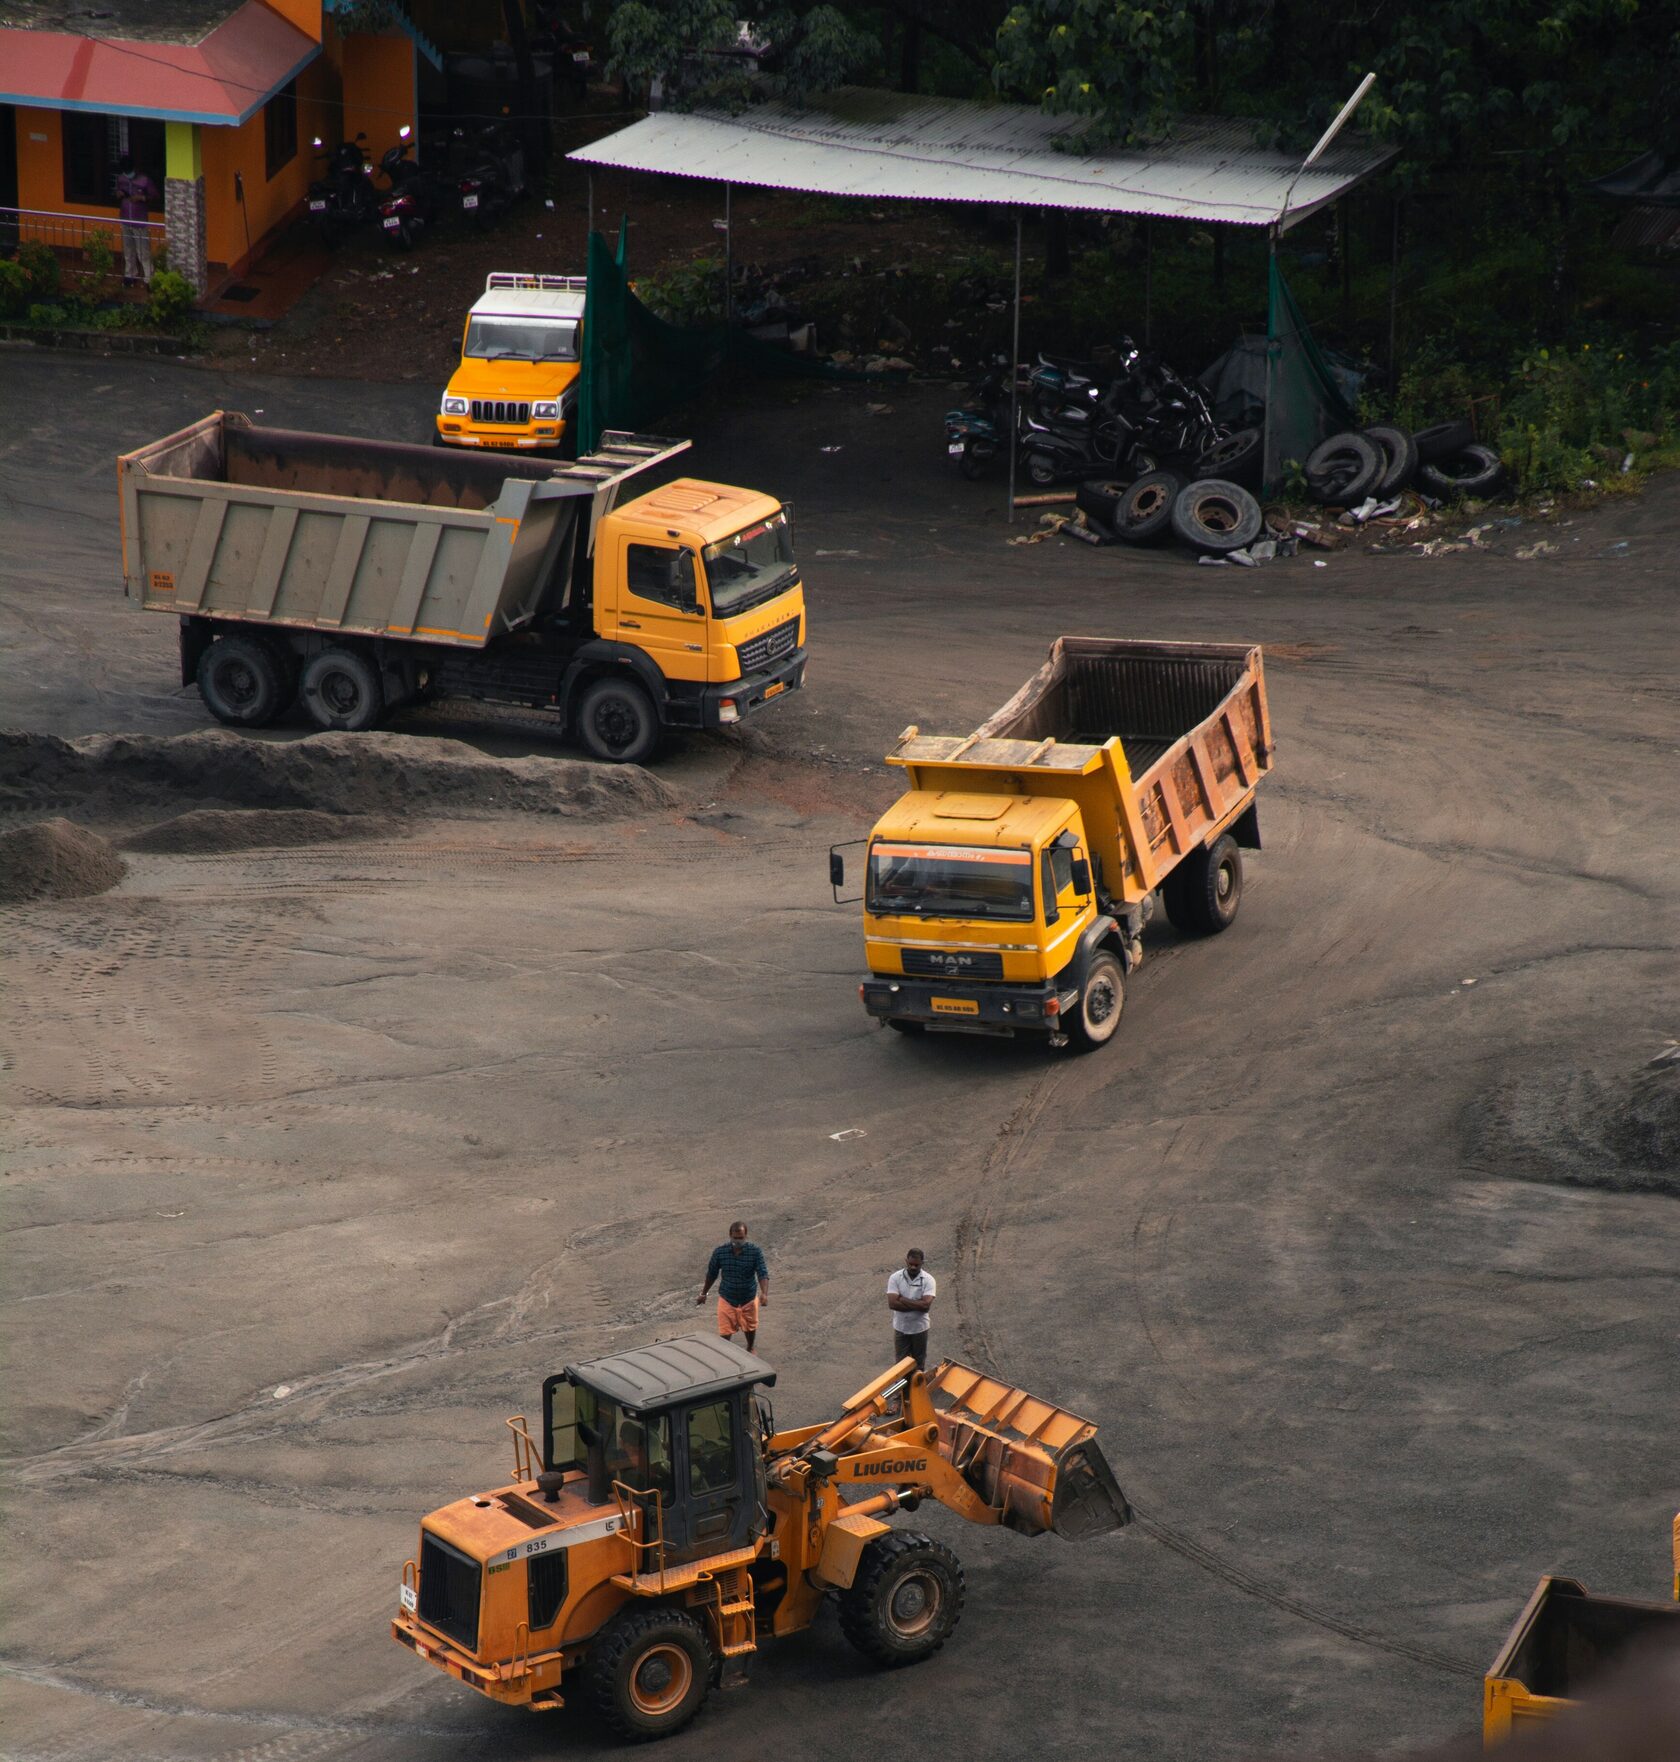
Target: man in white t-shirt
910, 1294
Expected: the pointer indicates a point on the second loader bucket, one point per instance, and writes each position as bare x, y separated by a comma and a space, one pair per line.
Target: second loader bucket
1040, 1464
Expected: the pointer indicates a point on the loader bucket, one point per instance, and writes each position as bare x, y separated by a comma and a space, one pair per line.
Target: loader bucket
1039, 1464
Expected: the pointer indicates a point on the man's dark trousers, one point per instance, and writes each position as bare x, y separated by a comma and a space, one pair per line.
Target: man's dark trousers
911, 1346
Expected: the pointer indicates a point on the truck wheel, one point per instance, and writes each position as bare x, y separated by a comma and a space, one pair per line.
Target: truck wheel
1202, 894
649, 1672
242, 682
342, 690
1100, 1003
617, 722
906, 1599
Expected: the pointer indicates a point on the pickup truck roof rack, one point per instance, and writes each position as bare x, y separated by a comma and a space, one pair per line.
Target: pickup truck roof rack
547, 284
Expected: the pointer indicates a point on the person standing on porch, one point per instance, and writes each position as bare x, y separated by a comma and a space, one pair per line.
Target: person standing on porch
135, 194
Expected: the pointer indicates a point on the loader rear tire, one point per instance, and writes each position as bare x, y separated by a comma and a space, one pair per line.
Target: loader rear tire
906, 1599
1202, 894
649, 1672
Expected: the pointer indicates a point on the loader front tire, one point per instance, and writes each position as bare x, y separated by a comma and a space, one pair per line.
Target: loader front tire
906, 1599
649, 1672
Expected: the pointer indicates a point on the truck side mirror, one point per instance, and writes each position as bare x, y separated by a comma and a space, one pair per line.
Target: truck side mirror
1081, 876
836, 869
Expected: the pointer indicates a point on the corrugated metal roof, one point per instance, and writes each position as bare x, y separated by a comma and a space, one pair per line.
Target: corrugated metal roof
891, 145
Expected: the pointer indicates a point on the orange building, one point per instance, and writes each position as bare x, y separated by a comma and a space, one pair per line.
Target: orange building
217, 100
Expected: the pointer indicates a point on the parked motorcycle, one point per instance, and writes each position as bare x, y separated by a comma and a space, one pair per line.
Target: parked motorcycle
974, 434
492, 175
411, 204
345, 198
1172, 419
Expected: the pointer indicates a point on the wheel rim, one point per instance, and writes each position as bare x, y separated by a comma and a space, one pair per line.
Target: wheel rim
340, 693
1218, 514
915, 1604
1225, 882
1100, 1006
1040, 470
1146, 502
238, 683
1222, 452
661, 1679
615, 724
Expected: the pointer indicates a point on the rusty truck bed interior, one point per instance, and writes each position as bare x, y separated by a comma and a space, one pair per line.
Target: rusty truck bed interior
337, 465
1151, 700
1574, 1634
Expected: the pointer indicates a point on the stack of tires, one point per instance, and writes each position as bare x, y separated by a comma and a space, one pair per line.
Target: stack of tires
1210, 514
1445, 461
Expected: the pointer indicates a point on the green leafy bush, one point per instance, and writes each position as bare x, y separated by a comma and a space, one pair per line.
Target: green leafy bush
41, 266
46, 313
14, 288
171, 299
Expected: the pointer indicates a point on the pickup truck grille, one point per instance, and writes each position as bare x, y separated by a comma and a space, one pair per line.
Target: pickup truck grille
496, 410
449, 1583
952, 963
771, 646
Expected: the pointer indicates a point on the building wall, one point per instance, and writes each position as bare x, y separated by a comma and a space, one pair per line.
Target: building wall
40, 172
379, 91
305, 14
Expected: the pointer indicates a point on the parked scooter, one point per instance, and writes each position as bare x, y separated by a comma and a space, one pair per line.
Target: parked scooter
411, 204
492, 176
345, 198
974, 435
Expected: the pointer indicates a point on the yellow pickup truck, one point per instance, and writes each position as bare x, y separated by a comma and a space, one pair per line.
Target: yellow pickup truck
1006, 891
521, 353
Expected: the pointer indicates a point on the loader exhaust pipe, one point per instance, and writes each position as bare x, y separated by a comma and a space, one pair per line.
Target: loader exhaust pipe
1039, 1466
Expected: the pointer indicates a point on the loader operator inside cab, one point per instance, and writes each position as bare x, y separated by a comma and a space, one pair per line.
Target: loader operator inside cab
640, 1456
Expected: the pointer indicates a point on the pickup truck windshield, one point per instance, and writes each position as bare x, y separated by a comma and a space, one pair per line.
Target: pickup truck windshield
950, 881
751, 566
522, 339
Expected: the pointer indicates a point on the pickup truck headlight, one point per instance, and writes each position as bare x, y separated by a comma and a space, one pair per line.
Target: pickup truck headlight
454, 406
545, 412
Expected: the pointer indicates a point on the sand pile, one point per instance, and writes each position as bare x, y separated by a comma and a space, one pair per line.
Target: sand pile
211, 831
55, 860
347, 774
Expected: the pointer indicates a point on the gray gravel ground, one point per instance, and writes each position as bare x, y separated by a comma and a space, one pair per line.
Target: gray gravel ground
1361, 1242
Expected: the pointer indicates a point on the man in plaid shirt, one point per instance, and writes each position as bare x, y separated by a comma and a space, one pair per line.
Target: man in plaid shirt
743, 1281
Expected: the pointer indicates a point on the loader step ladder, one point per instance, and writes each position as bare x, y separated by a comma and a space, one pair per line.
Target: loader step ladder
734, 1613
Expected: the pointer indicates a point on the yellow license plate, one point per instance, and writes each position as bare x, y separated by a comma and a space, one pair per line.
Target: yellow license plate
770, 691
955, 1006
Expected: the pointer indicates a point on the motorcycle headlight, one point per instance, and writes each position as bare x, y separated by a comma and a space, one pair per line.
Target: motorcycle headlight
454, 406
545, 412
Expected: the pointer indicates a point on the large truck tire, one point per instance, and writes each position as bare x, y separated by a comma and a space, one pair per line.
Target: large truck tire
1202, 894
1101, 999
617, 722
649, 1672
243, 682
906, 1599
342, 689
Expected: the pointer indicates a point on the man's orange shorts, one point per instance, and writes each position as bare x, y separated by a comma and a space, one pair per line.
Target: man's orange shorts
737, 1318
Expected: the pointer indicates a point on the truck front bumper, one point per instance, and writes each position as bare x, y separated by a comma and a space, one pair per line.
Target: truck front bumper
720, 706
970, 1009
455, 431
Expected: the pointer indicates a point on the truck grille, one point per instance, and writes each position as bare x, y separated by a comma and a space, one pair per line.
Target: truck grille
771, 646
495, 410
952, 963
449, 1584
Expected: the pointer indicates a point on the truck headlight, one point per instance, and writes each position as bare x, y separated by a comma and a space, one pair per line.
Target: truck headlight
545, 412
454, 406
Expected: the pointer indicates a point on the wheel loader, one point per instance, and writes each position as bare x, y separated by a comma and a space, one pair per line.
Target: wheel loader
660, 1528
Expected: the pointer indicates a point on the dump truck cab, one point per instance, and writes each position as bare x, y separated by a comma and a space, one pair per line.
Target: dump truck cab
701, 579
660, 1528
997, 888
521, 355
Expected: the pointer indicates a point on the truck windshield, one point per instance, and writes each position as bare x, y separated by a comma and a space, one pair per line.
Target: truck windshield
753, 565
522, 339
950, 881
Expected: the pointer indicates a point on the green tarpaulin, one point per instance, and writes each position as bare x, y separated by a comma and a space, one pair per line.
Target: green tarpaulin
1304, 405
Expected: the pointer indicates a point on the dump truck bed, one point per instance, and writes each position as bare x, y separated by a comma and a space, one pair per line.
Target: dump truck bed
1160, 743
1562, 1639
275, 526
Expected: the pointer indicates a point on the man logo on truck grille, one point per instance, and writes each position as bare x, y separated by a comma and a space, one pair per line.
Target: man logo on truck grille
899, 1465
950, 962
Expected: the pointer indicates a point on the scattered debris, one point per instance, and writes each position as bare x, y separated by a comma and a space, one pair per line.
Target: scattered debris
1209, 561
1544, 548
848, 1135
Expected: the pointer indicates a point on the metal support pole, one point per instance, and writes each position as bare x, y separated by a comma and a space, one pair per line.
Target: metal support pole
1148, 277
1269, 472
728, 261
589, 216
1394, 296
1014, 374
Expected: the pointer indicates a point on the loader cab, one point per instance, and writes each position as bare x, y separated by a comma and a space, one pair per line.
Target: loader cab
678, 1429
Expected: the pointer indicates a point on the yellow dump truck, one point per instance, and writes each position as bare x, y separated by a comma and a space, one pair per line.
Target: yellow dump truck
661, 1528
1565, 1635
1006, 891
359, 576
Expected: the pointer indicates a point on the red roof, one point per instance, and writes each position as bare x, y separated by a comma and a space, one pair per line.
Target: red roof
225, 78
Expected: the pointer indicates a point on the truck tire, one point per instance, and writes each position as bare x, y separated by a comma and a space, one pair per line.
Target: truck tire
242, 682
906, 1599
341, 689
1216, 516
1475, 471
1143, 515
1236, 458
1202, 894
649, 1672
617, 722
1345, 468
1400, 455
1442, 440
1101, 999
